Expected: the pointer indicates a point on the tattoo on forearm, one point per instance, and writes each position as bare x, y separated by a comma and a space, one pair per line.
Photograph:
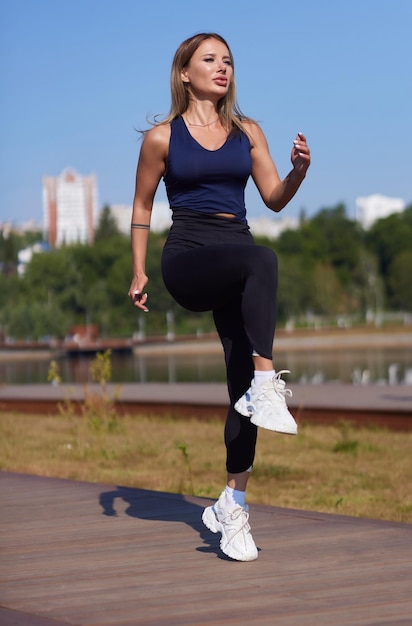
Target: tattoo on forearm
144, 226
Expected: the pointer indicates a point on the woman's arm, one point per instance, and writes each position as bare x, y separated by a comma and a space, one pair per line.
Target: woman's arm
276, 193
150, 169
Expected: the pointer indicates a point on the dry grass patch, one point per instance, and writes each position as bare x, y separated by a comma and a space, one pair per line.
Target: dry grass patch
335, 469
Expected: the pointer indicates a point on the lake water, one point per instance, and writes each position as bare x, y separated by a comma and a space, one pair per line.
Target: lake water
368, 365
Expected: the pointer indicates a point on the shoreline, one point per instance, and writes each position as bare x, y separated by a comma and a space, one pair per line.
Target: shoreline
285, 343
297, 341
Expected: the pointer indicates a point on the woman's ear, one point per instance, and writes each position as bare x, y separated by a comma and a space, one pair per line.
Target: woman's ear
184, 76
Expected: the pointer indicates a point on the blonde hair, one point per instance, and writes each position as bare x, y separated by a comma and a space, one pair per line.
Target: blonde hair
230, 115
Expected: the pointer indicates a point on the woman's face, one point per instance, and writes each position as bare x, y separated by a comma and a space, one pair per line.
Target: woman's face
209, 71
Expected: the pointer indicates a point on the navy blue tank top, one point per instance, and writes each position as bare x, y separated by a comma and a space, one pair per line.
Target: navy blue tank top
208, 181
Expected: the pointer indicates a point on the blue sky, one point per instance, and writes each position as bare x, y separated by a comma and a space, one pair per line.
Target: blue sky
78, 78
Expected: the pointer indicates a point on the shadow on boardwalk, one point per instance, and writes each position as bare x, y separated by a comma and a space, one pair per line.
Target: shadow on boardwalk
88, 554
163, 507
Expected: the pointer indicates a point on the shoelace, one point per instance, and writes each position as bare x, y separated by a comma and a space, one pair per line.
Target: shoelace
279, 385
245, 525
234, 516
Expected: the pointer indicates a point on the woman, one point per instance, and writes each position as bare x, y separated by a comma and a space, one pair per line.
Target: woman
205, 150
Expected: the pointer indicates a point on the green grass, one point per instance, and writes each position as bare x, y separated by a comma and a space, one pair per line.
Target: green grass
334, 469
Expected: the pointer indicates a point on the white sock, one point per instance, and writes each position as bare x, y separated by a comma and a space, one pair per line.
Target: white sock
261, 377
235, 496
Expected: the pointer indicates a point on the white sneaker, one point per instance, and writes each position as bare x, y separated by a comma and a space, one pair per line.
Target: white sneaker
265, 404
232, 520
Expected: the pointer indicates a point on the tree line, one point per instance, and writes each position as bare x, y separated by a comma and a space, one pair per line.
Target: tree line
329, 269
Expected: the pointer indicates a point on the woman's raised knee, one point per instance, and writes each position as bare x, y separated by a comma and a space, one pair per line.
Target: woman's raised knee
267, 259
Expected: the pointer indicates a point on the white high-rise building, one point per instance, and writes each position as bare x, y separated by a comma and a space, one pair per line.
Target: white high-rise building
69, 208
272, 228
375, 207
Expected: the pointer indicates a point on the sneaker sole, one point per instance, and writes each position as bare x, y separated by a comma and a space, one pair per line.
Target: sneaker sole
284, 429
212, 523
242, 407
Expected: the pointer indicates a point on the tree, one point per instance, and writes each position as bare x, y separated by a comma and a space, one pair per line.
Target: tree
389, 236
291, 242
9, 249
399, 281
107, 226
329, 295
367, 286
340, 238
34, 321
10, 294
50, 274
295, 293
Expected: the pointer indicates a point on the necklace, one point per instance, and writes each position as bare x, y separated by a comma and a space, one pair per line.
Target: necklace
203, 125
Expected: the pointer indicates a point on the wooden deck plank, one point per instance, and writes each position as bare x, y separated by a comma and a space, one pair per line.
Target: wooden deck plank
91, 554
17, 618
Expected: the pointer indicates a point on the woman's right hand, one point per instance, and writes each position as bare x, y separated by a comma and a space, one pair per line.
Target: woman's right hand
136, 294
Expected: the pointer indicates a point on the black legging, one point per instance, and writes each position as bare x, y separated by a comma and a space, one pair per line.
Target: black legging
211, 263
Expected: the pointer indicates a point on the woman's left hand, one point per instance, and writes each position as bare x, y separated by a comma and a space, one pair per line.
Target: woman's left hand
300, 156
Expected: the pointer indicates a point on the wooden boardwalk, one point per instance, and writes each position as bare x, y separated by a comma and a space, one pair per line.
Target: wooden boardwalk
89, 554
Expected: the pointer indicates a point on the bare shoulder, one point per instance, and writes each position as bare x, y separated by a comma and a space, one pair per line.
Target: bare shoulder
157, 138
255, 133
